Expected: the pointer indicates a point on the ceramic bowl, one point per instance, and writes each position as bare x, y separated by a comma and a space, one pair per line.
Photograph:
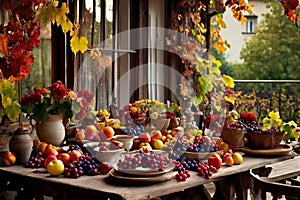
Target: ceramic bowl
109, 156
127, 140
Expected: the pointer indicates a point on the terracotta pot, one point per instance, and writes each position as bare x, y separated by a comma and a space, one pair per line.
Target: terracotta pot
21, 145
264, 140
51, 130
233, 137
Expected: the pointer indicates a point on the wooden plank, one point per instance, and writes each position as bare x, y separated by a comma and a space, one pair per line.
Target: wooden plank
104, 186
285, 169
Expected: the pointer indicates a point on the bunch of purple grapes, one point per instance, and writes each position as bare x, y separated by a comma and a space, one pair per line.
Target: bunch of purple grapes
182, 165
145, 160
36, 160
176, 147
85, 165
199, 145
236, 125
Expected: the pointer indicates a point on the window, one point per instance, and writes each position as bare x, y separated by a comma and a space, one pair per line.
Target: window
249, 27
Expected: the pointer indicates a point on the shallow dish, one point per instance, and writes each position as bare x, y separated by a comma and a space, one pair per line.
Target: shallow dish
141, 180
144, 172
283, 149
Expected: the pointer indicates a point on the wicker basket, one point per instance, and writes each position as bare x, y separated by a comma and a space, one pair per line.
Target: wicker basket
264, 140
233, 137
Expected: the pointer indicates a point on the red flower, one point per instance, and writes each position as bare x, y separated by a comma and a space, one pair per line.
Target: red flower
31, 99
248, 117
212, 118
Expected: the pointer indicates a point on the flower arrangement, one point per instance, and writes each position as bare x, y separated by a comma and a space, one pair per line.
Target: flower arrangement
84, 106
268, 133
54, 99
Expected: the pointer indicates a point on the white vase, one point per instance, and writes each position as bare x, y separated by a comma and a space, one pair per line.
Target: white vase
51, 130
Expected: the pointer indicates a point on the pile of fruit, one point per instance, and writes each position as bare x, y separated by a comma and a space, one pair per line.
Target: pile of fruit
71, 162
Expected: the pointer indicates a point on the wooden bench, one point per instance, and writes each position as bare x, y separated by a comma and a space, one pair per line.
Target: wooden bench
278, 179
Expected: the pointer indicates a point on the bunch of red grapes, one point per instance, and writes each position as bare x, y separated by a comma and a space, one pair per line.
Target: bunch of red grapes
145, 160
199, 145
183, 166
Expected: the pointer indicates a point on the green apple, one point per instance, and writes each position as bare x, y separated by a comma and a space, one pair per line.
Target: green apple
55, 167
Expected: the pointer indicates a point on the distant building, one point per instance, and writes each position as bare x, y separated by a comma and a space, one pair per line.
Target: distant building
236, 33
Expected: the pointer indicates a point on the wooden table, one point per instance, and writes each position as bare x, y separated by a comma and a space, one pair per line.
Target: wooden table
104, 187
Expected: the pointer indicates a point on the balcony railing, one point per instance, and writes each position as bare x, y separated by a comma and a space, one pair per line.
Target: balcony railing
262, 96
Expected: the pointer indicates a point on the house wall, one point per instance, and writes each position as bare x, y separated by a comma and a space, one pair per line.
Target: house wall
234, 31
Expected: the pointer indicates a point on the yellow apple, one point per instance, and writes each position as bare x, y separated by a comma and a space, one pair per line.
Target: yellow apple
158, 144
55, 167
237, 157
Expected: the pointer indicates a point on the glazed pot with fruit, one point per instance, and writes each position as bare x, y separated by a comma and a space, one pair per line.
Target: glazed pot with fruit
51, 130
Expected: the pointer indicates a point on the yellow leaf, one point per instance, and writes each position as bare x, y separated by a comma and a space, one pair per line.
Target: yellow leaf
6, 101
230, 99
79, 44
60, 18
66, 26
64, 8
55, 3
228, 81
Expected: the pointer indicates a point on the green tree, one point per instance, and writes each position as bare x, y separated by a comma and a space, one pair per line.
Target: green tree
273, 53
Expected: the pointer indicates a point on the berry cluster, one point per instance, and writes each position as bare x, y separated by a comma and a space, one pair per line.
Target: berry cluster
36, 160
183, 166
85, 165
199, 145
206, 170
145, 160
176, 147
236, 125
134, 129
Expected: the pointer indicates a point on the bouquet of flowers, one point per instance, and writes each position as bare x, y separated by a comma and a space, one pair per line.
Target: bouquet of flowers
54, 99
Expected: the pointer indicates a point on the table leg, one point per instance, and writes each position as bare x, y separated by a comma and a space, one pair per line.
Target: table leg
243, 182
224, 189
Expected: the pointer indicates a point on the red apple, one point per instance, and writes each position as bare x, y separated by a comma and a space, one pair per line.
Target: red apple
104, 167
64, 157
215, 160
49, 159
156, 134
145, 137
75, 154
226, 155
50, 150
9, 158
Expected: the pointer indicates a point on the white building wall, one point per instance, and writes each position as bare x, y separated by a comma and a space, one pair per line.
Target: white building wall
234, 31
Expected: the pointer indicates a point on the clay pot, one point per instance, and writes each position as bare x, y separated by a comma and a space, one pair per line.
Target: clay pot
51, 130
21, 145
233, 137
264, 140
